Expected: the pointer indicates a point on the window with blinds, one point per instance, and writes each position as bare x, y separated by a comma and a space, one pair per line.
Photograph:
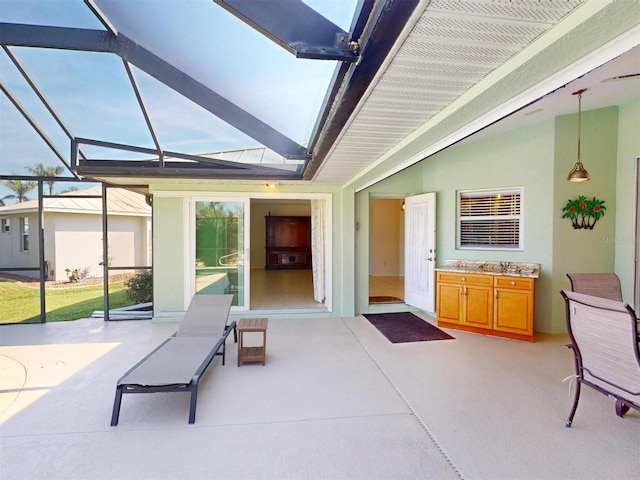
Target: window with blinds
490, 219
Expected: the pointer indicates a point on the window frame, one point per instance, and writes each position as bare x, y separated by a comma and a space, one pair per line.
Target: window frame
24, 234
6, 225
460, 218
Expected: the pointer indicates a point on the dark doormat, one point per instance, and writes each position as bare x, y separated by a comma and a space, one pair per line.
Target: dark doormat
405, 327
384, 299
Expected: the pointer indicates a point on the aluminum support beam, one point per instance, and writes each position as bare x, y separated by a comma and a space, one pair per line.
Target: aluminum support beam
105, 253
62, 38
43, 302
99, 168
296, 27
158, 167
143, 108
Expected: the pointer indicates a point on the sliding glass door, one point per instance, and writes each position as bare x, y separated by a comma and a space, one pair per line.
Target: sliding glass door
221, 260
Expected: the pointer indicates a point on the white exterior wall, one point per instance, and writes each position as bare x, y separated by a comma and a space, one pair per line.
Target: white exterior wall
78, 244
128, 241
77, 241
74, 240
11, 254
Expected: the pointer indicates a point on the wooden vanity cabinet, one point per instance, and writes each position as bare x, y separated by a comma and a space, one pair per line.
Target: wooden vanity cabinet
465, 299
513, 305
489, 304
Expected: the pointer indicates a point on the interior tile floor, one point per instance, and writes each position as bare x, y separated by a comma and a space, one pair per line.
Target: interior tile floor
391, 286
335, 400
285, 288
293, 288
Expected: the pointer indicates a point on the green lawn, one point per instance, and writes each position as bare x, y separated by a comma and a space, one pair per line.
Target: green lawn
21, 304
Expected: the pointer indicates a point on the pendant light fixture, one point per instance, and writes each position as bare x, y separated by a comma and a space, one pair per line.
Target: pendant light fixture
579, 174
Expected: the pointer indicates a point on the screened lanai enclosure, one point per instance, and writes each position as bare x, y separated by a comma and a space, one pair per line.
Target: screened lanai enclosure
119, 89
229, 96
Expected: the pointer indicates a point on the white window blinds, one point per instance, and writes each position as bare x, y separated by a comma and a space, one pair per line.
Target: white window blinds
490, 219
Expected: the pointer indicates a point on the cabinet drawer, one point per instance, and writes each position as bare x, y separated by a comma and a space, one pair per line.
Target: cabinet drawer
465, 278
515, 283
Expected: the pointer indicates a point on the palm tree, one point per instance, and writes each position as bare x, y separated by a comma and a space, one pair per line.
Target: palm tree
6, 197
20, 189
41, 171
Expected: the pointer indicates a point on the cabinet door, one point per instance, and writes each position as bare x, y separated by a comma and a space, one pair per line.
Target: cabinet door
273, 260
302, 232
479, 306
284, 233
270, 240
513, 311
449, 302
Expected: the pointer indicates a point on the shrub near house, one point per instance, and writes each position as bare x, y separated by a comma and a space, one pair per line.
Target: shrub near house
140, 287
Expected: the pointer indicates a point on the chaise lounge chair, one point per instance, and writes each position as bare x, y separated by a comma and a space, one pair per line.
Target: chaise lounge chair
177, 364
605, 347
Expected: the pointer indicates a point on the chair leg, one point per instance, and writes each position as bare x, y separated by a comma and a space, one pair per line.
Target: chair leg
192, 406
116, 406
621, 407
575, 405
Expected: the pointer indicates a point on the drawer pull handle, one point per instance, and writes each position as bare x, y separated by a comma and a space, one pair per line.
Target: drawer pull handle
464, 279
513, 283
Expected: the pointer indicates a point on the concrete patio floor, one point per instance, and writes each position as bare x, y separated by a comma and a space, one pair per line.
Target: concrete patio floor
335, 400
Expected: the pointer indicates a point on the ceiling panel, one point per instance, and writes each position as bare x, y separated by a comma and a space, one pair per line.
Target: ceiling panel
453, 45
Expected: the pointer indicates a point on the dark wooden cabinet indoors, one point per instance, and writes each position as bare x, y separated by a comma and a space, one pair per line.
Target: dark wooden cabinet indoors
288, 242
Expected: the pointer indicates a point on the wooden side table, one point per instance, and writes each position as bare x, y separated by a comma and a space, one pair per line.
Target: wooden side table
252, 354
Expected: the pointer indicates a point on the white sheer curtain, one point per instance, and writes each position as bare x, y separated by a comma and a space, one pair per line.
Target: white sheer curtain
318, 226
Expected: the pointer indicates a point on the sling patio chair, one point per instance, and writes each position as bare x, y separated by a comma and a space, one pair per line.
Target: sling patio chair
603, 285
605, 348
177, 364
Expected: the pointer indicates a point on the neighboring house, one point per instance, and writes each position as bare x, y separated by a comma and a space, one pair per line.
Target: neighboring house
73, 233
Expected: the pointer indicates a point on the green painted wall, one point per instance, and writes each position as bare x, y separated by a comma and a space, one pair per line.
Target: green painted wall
402, 184
519, 158
583, 250
625, 240
168, 254
538, 158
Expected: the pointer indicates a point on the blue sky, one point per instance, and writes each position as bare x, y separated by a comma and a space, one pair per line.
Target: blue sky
92, 94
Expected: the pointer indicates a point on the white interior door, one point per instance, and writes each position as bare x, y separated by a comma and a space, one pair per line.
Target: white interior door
420, 251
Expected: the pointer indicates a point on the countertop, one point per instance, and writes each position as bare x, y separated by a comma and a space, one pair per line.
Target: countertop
513, 269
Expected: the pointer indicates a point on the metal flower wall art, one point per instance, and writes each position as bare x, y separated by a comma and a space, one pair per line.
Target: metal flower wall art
584, 212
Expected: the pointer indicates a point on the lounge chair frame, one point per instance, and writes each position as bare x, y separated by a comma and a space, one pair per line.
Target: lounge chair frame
218, 349
605, 346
